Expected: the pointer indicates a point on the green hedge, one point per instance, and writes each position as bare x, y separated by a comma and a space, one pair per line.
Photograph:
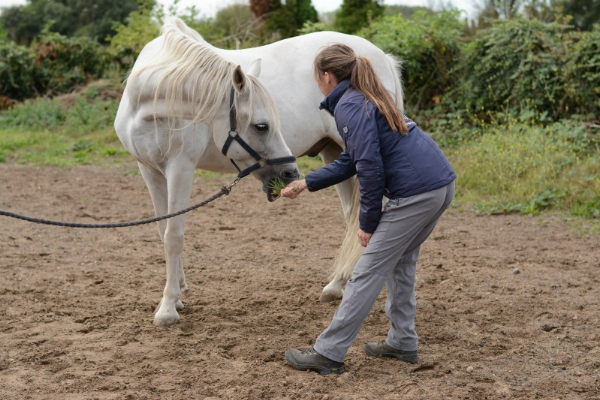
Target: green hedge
429, 46
52, 65
526, 68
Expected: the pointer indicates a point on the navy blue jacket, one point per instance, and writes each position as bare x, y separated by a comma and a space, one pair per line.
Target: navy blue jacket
387, 163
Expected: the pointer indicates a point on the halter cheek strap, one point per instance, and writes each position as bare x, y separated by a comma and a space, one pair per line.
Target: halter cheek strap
260, 161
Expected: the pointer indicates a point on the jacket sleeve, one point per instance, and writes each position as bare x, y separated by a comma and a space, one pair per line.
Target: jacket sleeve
331, 174
362, 144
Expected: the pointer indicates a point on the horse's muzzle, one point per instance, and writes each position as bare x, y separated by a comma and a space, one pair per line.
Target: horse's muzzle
284, 176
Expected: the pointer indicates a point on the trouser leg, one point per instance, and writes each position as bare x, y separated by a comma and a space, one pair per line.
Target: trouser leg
359, 296
401, 303
401, 224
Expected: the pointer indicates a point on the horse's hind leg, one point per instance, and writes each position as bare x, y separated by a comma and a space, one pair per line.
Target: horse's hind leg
350, 250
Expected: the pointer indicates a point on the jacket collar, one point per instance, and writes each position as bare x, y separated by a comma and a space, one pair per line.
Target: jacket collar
334, 97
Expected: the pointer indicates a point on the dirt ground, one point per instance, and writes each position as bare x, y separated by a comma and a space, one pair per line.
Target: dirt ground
508, 306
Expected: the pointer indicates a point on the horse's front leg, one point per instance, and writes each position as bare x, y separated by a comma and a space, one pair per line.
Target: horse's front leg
157, 186
180, 177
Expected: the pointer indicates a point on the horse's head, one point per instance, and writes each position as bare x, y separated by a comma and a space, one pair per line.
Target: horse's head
250, 135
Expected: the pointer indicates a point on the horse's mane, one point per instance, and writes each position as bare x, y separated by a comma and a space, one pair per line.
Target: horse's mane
192, 74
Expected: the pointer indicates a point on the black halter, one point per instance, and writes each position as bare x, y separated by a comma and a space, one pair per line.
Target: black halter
260, 161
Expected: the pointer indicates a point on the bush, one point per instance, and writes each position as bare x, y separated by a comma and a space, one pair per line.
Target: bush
17, 71
582, 76
429, 47
515, 66
35, 115
54, 64
63, 63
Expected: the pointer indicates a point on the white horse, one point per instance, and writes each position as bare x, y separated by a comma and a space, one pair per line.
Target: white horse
168, 156
180, 110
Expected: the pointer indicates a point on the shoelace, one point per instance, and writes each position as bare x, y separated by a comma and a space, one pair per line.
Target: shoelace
310, 350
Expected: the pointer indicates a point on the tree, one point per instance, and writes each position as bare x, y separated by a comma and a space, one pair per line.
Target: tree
260, 8
22, 23
139, 28
67, 17
585, 13
283, 20
233, 27
355, 14
429, 48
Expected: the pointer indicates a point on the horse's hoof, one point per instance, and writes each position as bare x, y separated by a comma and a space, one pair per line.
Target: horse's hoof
165, 321
179, 305
329, 296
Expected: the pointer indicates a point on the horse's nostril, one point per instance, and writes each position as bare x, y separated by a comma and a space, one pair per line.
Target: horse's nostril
289, 174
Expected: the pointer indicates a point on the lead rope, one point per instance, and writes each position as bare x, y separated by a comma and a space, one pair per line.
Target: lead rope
225, 190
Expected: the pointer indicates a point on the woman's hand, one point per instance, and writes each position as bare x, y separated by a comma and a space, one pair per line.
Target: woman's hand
364, 237
293, 189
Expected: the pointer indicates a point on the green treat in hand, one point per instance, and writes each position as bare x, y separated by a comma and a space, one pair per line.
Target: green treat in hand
276, 186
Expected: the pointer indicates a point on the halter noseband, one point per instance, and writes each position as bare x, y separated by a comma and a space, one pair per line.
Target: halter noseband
260, 161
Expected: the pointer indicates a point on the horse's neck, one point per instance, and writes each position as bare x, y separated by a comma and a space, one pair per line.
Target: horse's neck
192, 89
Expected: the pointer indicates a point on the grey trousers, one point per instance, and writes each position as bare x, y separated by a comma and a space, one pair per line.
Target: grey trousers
390, 258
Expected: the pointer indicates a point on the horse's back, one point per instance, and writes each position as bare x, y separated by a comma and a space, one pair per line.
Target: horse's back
287, 72
303, 49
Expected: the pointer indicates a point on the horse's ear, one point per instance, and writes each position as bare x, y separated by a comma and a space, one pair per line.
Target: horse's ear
254, 69
239, 79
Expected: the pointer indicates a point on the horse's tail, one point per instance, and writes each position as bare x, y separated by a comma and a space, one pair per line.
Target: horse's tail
396, 66
350, 249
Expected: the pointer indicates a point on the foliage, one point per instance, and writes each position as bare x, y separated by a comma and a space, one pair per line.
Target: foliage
67, 17
310, 27
407, 11
586, 13
285, 19
514, 65
582, 75
260, 8
234, 27
17, 70
356, 14
519, 167
22, 23
521, 67
54, 64
428, 46
35, 115
46, 132
63, 62
137, 30
3, 33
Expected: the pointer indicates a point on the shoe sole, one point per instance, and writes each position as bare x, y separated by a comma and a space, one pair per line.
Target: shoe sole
307, 367
401, 357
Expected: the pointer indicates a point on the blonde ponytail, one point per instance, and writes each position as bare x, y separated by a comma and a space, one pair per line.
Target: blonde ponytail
341, 61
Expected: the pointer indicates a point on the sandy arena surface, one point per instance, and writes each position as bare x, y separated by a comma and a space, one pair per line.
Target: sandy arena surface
76, 316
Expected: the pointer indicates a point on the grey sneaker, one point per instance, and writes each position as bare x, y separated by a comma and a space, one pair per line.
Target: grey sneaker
382, 349
310, 360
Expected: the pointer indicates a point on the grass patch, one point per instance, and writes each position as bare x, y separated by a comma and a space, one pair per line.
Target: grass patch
308, 164
528, 169
45, 132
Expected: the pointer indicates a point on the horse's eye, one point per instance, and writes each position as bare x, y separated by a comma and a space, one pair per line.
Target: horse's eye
262, 127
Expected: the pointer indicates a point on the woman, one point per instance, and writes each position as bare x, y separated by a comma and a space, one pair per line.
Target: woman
391, 157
